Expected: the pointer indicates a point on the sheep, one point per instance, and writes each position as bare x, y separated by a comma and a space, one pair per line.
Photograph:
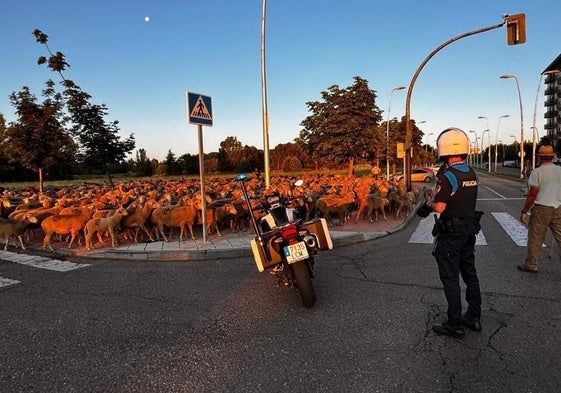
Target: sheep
173, 217
138, 217
63, 225
99, 225
405, 204
374, 203
16, 227
216, 215
338, 205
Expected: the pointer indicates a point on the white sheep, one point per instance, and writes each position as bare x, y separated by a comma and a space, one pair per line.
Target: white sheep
100, 225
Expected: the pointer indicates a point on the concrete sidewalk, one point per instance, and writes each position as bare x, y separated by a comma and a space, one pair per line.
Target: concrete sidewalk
230, 245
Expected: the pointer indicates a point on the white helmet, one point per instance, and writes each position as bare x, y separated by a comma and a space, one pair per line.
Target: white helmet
452, 142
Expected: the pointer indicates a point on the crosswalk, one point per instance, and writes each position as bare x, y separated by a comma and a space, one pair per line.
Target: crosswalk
512, 227
36, 262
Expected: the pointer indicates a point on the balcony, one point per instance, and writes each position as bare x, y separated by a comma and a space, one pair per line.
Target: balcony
549, 91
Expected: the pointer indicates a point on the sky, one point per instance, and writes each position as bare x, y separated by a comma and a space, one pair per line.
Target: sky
142, 69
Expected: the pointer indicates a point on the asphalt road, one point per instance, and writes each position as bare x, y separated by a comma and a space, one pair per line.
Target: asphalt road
220, 326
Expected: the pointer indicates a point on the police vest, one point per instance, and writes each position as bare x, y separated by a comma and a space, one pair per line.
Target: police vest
464, 183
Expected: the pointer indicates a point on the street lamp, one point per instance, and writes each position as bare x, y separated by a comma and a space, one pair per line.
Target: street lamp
476, 145
503, 145
432, 133
489, 155
388, 131
489, 148
534, 122
515, 141
496, 141
507, 76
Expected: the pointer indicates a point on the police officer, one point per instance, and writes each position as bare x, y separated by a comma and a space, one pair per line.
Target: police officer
455, 198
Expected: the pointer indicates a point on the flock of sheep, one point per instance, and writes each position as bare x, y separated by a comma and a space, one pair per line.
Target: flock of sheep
146, 210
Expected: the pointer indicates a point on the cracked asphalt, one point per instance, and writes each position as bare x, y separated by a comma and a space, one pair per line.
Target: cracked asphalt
219, 326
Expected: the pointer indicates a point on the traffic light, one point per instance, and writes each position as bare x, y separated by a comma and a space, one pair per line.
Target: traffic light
516, 29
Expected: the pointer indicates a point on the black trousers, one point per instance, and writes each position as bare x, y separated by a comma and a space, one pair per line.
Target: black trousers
454, 253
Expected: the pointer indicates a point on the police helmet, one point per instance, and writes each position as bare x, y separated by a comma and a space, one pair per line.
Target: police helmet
452, 142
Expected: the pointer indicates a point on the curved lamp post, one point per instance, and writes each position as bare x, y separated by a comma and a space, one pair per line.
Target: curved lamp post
496, 141
476, 147
489, 148
388, 131
507, 76
489, 155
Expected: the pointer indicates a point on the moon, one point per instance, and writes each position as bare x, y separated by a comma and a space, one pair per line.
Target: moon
147, 19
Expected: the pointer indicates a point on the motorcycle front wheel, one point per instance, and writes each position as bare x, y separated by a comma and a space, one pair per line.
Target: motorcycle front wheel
301, 274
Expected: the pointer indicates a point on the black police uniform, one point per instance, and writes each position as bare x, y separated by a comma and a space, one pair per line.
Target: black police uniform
455, 240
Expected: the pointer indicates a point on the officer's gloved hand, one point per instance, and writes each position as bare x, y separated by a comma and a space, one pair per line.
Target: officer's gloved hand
424, 210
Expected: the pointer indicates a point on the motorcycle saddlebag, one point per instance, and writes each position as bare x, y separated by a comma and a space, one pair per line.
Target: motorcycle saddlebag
319, 227
259, 256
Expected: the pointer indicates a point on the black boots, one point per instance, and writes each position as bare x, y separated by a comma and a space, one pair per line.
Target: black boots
447, 329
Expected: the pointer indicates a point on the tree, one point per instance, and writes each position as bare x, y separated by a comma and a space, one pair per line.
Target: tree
100, 145
230, 153
171, 163
37, 139
344, 125
284, 150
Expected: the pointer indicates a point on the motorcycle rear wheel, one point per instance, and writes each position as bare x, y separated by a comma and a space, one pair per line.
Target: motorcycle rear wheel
301, 274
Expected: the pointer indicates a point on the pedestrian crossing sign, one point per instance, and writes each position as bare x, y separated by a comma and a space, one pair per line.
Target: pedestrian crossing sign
199, 109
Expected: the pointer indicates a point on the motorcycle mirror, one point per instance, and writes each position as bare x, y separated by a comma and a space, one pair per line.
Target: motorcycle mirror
298, 183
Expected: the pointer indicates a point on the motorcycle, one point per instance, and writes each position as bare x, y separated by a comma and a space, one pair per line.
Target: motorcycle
284, 243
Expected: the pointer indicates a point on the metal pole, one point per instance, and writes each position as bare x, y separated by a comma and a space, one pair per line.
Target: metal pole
496, 141
202, 177
507, 76
388, 131
408, 126
264, 101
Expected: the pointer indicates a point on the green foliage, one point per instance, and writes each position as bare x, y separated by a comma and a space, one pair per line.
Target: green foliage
100, 146
291, 164
344, 125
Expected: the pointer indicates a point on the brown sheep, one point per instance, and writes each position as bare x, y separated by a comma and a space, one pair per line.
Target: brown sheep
138, 216
63, 225
99, 225
16, 227
174, 217
373, 203
405, 204
214, 216
331, 205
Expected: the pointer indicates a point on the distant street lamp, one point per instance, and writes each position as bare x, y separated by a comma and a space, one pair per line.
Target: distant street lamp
503, 145
489, 148
432, 133
476, 146
507, 76
388, 131
487, 122
496, 141
534, 122
515, 141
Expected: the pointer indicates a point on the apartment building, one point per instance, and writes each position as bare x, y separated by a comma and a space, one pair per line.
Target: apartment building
552, 102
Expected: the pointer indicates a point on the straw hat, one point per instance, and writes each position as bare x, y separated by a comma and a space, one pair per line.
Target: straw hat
546, 151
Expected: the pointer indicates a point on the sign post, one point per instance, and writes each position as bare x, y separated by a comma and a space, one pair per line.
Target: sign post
199, 112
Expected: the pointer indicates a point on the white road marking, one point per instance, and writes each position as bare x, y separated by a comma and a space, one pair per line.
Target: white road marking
4, 282
514, 228
41, 262
423, 233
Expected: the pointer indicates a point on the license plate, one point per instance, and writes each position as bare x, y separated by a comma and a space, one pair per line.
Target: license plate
296, 252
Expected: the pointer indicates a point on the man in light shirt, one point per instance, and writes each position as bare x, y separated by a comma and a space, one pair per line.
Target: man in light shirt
544, 198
